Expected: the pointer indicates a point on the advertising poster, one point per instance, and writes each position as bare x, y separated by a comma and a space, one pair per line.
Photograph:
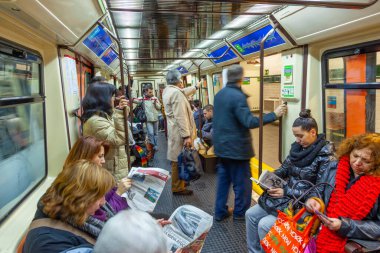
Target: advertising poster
287, 91
288, 74
246, 81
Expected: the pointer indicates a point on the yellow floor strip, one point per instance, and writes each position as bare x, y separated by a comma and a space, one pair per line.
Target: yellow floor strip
254, 163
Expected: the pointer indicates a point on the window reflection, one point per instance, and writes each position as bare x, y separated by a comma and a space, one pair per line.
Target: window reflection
22, 129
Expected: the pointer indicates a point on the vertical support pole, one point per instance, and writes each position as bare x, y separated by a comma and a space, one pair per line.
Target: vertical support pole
262, 98
125, 112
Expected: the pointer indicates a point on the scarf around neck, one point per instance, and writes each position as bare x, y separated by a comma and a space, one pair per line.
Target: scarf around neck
350, 203
301, 157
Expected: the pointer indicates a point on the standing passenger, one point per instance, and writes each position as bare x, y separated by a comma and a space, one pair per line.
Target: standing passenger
152, 107
233, 144
105, 123
181, 125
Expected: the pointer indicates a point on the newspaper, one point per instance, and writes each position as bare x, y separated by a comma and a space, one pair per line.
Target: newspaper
147, 186
188, 229
269, 180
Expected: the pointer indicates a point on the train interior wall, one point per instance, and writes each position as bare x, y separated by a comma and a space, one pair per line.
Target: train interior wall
15, 226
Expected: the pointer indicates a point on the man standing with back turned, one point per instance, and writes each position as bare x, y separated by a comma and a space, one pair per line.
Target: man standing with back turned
181, 125
233, 144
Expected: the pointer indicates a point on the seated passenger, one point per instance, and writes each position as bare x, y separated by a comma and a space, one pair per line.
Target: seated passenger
131, 232
104, 123
94, 150
354, 206
208, 111
63, 217
309, 158
198, 114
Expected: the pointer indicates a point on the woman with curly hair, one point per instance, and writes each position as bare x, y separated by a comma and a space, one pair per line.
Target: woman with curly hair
353, 210
64, 213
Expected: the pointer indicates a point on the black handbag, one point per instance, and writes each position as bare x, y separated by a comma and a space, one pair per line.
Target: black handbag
139, 113
189, 165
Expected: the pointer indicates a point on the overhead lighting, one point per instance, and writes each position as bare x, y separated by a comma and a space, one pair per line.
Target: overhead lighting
254, 62
220, 34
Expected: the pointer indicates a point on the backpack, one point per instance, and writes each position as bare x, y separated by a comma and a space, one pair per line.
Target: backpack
139, 113
189, 165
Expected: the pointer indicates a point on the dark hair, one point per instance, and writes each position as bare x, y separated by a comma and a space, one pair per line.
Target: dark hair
98, 100
147, 87
197, 103
98, 79
234, 73
208, 107
305, 121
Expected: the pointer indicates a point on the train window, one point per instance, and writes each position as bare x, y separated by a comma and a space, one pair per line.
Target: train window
22, 126
351, 80
217, 80
204, 91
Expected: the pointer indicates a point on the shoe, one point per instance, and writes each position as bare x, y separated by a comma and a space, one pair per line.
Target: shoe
230, 210
185, 192
239, 218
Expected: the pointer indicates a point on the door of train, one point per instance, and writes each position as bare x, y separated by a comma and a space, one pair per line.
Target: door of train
351, 82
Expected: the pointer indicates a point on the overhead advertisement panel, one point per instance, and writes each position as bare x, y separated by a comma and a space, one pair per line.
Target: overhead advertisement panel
182, 70
109, 56
251, 43
98, 41
219, 52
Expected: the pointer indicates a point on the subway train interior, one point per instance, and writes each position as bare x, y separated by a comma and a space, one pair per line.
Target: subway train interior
321, 55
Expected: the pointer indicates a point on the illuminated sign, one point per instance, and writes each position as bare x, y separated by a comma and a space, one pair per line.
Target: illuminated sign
98, 41
219, 52
109, 56
182, 70
251, 43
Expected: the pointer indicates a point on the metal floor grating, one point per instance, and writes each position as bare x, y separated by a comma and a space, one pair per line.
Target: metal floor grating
227, 236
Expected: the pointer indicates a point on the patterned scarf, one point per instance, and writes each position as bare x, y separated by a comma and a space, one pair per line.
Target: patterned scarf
92, 225
351, 203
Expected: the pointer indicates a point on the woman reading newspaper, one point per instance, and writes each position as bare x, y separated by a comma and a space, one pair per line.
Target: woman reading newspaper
308, 159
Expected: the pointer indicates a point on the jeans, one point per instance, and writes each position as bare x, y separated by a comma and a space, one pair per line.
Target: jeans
238, 173
152, 128
258, 223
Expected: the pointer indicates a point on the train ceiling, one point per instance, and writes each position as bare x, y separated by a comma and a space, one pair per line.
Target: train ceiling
159, 34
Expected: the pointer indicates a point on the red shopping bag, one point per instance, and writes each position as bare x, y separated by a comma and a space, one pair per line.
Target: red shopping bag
287, 235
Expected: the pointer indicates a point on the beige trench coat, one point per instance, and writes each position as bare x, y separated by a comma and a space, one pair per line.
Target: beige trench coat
111, 129
179, 118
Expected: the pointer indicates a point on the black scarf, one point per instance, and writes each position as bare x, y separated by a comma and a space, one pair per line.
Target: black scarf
301, 157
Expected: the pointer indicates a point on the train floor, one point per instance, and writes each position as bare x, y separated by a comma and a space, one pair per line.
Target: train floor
226, 236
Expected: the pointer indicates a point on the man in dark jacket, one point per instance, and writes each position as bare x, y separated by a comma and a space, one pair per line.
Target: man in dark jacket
233, 144
207, 131
198, 114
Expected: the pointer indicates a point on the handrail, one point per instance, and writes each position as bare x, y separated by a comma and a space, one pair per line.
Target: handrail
262, 97
314, 3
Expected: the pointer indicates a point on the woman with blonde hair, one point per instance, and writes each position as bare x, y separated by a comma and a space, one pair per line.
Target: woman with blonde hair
63, 219
353, 210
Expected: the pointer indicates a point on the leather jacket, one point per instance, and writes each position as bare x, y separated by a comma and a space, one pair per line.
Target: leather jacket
366, 229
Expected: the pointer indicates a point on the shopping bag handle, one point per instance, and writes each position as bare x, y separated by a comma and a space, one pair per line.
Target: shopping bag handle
312, 188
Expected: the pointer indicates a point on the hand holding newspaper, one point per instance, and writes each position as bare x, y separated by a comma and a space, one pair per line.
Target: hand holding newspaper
269, 180
147, 186
188, 229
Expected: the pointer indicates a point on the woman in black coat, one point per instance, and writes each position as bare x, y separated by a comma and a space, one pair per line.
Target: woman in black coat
309, 158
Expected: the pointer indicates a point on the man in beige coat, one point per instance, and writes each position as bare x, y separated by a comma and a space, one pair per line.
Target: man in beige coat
181, 125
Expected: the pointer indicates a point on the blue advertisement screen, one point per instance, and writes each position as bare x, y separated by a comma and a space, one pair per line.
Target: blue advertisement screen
182, 70
109, 56
251, 43
219, 52
98, 41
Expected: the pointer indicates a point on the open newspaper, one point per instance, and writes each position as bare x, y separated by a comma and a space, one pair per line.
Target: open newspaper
188, 229
147, 186
269, 180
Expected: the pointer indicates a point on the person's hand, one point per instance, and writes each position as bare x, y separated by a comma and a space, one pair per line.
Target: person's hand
123, 103
124, 185
163, 222
198, 85
276, 192
281, 110
333, 224
187, 142
312, 204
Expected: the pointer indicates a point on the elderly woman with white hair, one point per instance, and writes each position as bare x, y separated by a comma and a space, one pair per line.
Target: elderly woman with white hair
131, 232
181, 125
